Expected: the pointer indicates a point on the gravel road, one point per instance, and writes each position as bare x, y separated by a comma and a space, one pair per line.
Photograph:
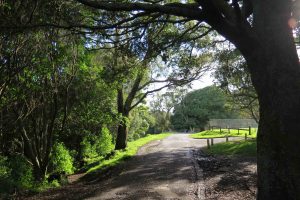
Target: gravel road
162, 169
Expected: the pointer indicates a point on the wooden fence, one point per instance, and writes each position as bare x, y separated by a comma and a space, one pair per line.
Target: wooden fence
238, 129
210, 141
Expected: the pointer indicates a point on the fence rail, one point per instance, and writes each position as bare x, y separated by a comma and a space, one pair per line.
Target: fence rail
238, 129
210, 141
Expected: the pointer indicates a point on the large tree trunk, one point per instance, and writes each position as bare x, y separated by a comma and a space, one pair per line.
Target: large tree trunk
275, 72
121, 141
278, 151
278, 87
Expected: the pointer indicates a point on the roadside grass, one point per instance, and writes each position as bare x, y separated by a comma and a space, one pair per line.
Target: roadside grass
242, 148
121, 155
224, 132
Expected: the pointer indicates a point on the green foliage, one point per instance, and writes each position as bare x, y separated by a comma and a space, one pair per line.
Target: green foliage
140, 121
61, 161
105, 146
21, 173
93, 107
243, 148
162, 122
95, 145
161, 107
224, 132
5, 182
55, 183
199, 106
131, 150
4, 170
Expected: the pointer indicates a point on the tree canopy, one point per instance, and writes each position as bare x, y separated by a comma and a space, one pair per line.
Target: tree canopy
262, 31
198, 106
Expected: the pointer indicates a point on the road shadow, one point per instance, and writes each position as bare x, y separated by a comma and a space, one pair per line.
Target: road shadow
152, 169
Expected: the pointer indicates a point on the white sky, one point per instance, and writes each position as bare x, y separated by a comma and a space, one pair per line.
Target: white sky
204, 81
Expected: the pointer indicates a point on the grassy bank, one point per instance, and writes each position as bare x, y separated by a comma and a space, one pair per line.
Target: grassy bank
243, 148
131, 150
216, 133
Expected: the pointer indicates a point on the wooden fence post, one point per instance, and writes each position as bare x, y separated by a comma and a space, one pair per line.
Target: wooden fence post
249, 130
212, 141
226, 138
208, 145
245, 136
238, 131
220, 130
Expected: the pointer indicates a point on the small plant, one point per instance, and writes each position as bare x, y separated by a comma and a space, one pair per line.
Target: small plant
105, 145
61, 161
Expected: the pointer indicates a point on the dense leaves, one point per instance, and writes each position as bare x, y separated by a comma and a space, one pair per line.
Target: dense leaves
198, 107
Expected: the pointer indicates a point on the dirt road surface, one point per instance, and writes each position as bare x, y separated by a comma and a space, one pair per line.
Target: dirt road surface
162, 170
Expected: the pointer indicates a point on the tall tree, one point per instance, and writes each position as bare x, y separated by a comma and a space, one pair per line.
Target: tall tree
36, 102
135, 65
198, 106
135, 78
262, 31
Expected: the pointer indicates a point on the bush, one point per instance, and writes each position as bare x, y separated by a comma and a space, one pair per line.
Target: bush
88, 150
105, 145
4, 169
5, 182
21, 172
61, 161
93, 145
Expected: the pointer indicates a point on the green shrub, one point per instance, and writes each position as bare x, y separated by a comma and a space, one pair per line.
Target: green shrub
55, 183
61, 161
6, 184
105, 145
4, 169
94, 146
88, 149
21, 172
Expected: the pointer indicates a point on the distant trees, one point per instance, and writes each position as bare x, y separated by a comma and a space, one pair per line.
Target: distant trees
140, 120
162, 106
197, 107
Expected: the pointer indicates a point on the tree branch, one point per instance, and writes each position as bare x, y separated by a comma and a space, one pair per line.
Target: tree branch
191, 11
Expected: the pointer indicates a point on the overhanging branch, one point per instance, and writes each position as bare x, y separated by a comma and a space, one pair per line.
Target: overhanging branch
191, 11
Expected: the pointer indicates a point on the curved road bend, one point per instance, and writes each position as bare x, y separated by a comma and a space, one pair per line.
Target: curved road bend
162, 170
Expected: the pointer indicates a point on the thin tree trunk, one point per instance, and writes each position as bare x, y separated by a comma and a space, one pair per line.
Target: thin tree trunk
121, 140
